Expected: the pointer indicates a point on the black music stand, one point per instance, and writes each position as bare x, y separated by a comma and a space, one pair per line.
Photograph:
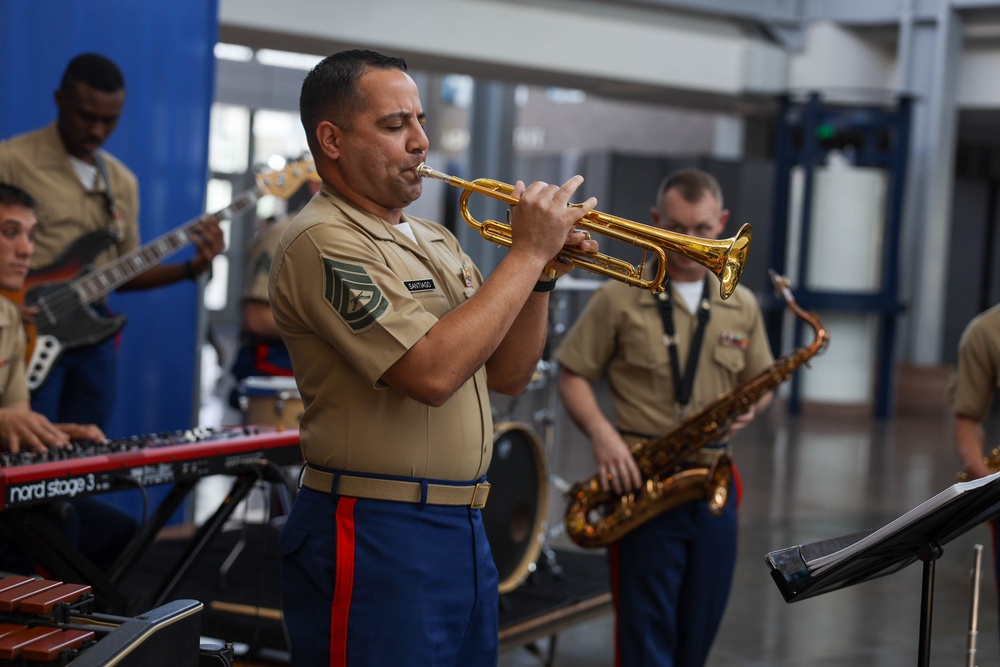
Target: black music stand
805, 571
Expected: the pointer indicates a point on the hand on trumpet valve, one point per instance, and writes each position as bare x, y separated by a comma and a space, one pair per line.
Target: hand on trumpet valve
560, 266
581, 239
543, 223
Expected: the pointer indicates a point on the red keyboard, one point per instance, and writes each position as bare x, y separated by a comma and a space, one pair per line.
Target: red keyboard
86, 467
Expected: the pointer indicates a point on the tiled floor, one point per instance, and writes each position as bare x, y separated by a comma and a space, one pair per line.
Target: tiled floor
812, 478
806, 478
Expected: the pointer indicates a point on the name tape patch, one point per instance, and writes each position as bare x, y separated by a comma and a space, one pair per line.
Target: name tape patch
425, 285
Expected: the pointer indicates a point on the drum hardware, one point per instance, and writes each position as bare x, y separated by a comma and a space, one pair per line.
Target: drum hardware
540, 378
550, 560
562, 485
556, 528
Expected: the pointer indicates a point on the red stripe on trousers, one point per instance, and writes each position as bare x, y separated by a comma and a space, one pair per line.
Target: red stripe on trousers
738, 483
264, 366
343, 583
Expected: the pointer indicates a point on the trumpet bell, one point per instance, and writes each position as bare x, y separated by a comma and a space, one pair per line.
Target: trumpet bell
734, 259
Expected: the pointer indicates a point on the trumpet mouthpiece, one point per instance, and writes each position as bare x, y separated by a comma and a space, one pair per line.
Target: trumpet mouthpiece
424, 171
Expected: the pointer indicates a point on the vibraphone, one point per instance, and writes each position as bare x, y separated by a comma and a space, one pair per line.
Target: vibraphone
45, 622
180, 458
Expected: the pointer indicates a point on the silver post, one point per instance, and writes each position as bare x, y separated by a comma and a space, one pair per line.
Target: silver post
974, 608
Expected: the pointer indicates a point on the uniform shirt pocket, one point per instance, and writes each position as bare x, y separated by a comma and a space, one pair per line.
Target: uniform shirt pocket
434, 302
647, 366
642, 357
731, 359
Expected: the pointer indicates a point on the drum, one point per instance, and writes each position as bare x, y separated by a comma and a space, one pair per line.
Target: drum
271, 400
516, 512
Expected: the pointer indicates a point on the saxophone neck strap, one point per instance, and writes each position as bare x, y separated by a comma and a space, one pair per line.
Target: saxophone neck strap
684, 384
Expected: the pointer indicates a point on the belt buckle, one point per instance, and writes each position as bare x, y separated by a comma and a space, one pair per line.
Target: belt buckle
477, 503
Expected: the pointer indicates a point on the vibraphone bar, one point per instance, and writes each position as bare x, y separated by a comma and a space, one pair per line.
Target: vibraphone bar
45, 622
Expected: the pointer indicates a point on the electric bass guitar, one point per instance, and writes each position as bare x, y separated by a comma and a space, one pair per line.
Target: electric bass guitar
64, 290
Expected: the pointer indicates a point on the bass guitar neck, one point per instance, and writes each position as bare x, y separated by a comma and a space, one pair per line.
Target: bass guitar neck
64, 291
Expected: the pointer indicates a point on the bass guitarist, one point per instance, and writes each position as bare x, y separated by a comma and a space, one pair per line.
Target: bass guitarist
82, 189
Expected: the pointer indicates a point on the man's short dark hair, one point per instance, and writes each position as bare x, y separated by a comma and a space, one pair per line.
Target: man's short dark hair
329, 91
11, 195
94, 70
691, 184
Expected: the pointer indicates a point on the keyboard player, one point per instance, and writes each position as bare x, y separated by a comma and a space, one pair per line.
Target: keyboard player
98, 529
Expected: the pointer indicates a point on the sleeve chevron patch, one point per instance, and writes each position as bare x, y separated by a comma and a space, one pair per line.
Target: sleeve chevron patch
353, 294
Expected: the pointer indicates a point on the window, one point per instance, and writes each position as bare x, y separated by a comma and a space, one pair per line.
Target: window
228, 139
219, 195
277, 133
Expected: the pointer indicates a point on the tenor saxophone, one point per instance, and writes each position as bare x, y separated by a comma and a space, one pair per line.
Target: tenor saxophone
596, 518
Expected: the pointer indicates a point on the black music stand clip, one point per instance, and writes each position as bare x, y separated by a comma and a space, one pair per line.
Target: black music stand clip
805, 571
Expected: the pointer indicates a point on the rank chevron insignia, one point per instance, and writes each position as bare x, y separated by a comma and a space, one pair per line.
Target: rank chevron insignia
353, 294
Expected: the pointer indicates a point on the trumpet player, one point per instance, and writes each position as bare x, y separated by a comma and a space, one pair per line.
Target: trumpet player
664, 357
395, 338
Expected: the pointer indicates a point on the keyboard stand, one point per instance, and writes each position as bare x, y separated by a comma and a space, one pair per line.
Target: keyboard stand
33, 532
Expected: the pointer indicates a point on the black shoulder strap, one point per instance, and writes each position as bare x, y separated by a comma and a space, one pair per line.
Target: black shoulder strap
109, 197
683, 386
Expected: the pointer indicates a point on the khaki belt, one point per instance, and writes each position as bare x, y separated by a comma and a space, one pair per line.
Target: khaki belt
703, 458
398, 490
706, 456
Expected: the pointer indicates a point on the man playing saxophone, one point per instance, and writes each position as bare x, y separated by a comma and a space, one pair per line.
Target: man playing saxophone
665, 357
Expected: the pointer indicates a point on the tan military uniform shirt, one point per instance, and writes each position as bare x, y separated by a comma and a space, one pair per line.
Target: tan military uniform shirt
37, 163
620, 334
13, 379
351, 294
260, 253
977, 375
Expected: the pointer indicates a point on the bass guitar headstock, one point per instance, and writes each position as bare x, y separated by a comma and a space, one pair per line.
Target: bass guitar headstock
287, 181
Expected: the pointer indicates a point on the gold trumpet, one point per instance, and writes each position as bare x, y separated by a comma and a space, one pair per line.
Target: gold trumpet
724, 257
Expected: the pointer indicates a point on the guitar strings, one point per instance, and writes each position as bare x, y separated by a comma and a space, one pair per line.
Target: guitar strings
64, 299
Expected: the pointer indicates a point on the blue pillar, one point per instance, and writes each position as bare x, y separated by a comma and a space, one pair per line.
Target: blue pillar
165, 50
